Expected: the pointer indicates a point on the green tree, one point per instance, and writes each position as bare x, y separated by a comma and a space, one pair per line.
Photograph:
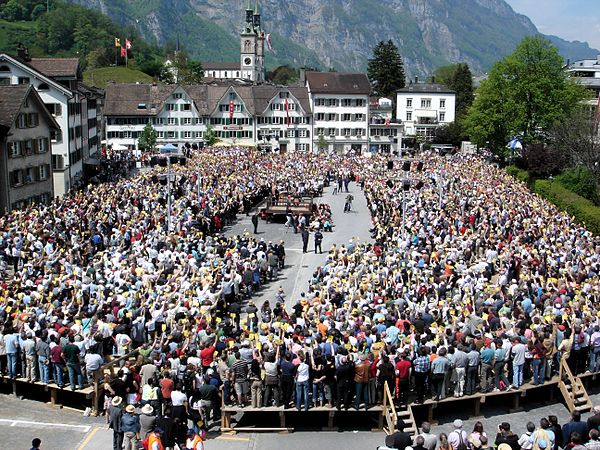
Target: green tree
459, 78
148, 137
386, 69
283, 75
182, 70
210, 138
322, 143
524, 94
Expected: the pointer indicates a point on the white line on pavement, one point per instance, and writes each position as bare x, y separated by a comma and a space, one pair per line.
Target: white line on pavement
13, 423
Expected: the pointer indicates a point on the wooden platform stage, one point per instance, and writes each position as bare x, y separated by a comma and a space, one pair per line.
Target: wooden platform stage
283, 413
23, 387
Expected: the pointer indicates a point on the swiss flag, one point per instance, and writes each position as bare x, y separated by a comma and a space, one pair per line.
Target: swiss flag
127, 44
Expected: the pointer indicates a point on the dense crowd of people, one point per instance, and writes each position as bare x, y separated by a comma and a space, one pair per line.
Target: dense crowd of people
470, 283
547, 434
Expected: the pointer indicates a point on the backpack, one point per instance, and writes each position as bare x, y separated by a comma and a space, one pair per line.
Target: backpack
146, 442
461, 442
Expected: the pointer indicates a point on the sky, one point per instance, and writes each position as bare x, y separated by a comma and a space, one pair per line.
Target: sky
574, 20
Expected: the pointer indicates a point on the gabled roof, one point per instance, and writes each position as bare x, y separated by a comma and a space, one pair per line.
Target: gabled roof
12, 99
124, 99
427, 88
26, 67
56, 67
338, 83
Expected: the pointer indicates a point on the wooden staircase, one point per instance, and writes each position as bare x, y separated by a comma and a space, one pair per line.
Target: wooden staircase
573, 391
391, 415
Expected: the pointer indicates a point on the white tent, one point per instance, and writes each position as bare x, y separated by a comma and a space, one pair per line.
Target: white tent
119, 147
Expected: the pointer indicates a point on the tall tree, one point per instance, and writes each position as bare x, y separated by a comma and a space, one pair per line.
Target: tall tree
148, 137
386, 69
459, 78
524, 94
182, 70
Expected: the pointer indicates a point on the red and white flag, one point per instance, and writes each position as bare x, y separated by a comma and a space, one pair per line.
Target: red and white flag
287, 112
123, 52
231, 107
127, 44
269, 41
387, 122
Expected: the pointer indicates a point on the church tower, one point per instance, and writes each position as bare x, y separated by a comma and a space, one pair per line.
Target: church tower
252, 59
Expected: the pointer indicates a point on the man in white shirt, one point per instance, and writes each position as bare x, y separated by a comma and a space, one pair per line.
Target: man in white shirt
518, 355
458, 436
302, 373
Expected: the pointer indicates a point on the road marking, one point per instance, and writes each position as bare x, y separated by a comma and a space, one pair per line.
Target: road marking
88, 438
227, 438
13, 423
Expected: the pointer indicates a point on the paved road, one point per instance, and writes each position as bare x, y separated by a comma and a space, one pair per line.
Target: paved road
299, 266
22, 420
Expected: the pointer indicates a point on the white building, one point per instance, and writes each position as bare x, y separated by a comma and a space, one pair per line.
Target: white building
587, 73
422, 107
385, 133
340, 107
74, 107
267, 116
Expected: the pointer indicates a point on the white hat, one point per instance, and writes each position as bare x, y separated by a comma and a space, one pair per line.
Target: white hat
147, 409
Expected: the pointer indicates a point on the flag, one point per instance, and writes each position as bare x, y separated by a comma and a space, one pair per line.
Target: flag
117, 42
127, 44
123, 52
231, 107
387, 122
269, 41
287, 112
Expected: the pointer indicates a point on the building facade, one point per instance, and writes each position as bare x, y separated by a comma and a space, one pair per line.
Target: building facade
340, 108
274, 118
74, 106
385, 133
26, 127
587, 73
422, 107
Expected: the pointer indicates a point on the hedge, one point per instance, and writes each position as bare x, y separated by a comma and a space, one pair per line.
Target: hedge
582, 209
519, 174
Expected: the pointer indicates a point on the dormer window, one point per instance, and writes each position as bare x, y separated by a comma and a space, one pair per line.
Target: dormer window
141, 106
43, 87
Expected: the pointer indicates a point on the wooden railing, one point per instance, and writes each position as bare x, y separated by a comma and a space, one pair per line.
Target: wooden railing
389, 410
100, 373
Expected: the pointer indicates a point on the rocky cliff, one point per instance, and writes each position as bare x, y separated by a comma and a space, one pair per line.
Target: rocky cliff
340, 34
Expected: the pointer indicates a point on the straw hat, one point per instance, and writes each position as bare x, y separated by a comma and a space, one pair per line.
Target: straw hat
116, 400
130, 409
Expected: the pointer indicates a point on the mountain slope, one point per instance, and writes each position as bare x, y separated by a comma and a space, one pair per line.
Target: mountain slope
340, 33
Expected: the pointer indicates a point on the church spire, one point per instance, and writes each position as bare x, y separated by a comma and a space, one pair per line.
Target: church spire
256, 7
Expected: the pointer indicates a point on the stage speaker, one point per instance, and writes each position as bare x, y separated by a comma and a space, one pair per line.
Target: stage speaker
420, 166
406, 185
162, 162
406, 166
390, 165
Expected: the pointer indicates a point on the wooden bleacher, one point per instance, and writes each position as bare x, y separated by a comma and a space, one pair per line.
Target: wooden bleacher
88, 396
572, 388
22, 386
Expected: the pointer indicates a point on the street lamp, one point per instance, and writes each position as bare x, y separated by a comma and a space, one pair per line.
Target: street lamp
168, 149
